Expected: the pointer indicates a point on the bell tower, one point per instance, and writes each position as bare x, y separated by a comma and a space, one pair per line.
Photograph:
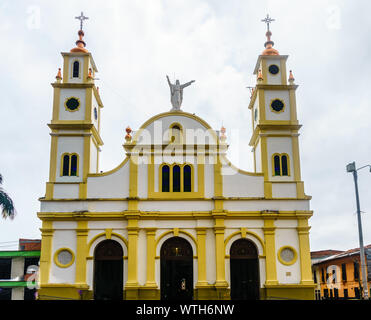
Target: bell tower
275, 124
75, 124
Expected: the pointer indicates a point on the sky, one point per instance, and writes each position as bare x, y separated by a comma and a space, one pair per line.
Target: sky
135, 44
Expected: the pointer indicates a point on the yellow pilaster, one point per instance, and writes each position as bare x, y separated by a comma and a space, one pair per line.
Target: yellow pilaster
201, 254
151, 257
219, 252
305, 262
132, 252
81, 253
46, 251
270, 248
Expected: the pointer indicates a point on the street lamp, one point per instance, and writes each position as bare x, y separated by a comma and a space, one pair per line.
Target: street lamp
351, 167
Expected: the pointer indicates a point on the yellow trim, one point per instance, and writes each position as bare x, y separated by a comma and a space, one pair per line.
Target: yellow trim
281, 167
264, 71
107, 173
46, 251
56, 102
86, 69
295, 152
151, 257
270, 105
69, 167
289, 263
104, 235
270, 260
242, 232
88, 104
304, 249
53, 159
178, 231
81, 251
293, 112
171, 135
283, 72
261, 105
132, 252
220, 253
86, 168
65, 104
171, 167
201, 253
58, 263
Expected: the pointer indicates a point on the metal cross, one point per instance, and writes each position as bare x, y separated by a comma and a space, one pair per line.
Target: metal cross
267, 20
81, 18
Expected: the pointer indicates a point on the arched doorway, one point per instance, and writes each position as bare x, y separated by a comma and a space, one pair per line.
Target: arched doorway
108, 271
176, 269
244, 268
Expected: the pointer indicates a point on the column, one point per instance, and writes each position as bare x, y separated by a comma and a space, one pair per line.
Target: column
201, 254
81, 253
151, 257
270, 248
46, 251
305, 262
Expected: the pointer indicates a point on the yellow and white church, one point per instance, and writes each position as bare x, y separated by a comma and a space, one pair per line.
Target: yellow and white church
174, 220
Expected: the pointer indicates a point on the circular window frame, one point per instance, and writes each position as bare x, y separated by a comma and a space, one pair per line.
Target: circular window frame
68, 109
274, 74
56, 261
283, 108
287, 263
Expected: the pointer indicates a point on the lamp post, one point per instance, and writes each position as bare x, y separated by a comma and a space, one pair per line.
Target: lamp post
351, 167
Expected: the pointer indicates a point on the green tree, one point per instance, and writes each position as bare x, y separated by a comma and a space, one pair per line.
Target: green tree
6, 203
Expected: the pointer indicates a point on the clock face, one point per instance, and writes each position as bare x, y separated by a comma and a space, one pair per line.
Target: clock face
273, 69
277, 105
72, 104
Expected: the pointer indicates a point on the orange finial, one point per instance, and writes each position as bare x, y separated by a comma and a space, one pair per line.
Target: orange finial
260, 76
223, 137
90, 76
128, 136
59, 75
291, 77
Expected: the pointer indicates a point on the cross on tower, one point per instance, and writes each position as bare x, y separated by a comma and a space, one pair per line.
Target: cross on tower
267, 20
81, 18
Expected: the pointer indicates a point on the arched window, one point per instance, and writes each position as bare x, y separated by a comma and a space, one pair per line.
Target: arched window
277, 165
176, 133
165, 178
176, 178
285, 171
74, 165
187, 178
66, 165
281, 164
76, 69
70, 164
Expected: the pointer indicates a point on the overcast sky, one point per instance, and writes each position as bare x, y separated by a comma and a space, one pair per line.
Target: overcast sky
136, 43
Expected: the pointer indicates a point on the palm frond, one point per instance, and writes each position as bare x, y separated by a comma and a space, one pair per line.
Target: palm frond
7, 205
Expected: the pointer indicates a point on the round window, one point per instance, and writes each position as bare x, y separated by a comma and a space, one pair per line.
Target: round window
277, 105
72, 104
64, 257
273, 69
287, 255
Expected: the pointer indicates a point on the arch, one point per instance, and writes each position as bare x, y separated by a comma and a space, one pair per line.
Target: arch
276, 164
103, 235
179, 233
165, 178
253, 237
187, 178
76, 69
244, 270
108, 283
176, 133
74, 164
65, 167
176, 272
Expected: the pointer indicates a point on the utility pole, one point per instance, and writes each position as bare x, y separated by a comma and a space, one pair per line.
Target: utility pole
351, 167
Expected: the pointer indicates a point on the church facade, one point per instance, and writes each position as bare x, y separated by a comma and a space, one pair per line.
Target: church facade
174, 220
